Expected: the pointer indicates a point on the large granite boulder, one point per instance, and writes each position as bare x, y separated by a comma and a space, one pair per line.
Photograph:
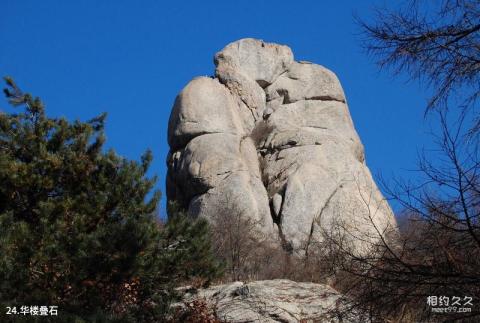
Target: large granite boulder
273, 139
278, 300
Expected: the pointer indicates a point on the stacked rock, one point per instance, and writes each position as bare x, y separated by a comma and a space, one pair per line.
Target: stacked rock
272, 139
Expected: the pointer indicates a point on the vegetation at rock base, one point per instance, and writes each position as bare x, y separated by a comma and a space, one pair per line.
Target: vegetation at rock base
78, 228
196, 311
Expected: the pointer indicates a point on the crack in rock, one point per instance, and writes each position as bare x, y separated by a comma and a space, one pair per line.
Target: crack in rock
319, 216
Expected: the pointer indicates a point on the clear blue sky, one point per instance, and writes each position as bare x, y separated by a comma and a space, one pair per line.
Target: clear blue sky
131, 58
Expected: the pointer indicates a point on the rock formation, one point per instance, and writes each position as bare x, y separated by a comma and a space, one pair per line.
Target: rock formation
273, 139
278, 300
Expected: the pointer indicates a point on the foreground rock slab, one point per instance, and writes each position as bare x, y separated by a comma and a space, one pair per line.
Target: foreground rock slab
276, 300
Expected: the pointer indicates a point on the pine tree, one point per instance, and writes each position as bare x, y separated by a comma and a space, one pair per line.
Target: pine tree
77, 224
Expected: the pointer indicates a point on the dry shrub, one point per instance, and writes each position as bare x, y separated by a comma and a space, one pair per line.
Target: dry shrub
196, 311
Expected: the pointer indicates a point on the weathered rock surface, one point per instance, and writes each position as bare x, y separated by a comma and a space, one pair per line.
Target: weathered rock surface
272, 138
278, 300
